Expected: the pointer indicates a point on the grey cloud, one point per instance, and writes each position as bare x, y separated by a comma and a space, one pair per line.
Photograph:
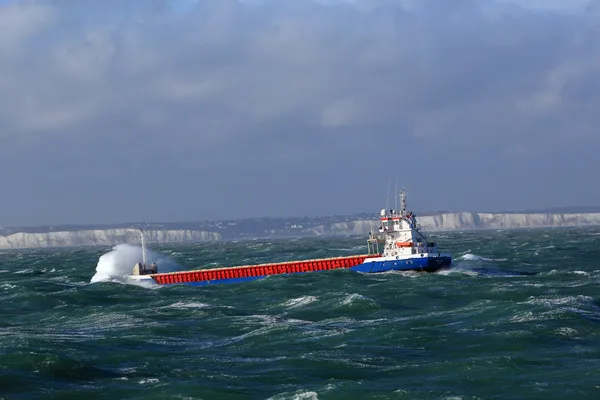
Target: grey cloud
291, 107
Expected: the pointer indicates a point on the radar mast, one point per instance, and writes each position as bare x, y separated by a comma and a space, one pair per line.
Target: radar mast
403, 199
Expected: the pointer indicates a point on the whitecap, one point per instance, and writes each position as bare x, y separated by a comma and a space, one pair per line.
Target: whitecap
148, 381
8, 286
559, 301
356, 298
451, 271
192, 304
566, 331
25, 271
299, 395
300, 301
475, 257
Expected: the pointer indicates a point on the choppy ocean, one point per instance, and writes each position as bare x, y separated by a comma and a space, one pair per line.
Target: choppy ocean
516, 317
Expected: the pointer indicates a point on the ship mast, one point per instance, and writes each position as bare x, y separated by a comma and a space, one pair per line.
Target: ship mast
403, 197
144, 255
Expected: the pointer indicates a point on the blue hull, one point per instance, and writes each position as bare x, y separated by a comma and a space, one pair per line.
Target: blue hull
427, 264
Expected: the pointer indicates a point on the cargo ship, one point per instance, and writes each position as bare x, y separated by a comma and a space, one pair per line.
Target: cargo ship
403, 248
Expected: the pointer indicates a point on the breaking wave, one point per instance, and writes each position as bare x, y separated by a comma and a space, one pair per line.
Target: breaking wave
474, 257
117, 264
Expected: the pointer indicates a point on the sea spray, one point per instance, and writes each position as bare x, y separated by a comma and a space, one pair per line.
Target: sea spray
118, 263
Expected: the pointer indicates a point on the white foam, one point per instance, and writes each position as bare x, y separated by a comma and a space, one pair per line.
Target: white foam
117, 264
148, 381
457, 270
25, 271
405, 274
474, 257
299, 395
559, 301
556, 307
300, 301
355, 298
8, 286
566, 331
192, 304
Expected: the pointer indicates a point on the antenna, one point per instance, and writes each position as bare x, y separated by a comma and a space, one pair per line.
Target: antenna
396, 196
144, 256
387, 200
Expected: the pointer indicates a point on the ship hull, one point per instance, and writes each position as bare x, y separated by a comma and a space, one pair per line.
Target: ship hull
426, 263
362, 264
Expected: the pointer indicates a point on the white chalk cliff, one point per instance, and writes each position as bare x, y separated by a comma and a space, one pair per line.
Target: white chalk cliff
101, 237
468, 221
440, 222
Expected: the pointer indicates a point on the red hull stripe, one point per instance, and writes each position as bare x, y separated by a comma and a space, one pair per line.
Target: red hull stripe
201, 275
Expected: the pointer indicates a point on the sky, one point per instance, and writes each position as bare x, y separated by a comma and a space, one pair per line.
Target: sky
127, 111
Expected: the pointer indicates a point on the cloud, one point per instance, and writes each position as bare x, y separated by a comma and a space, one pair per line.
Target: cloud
256, 106
19, 23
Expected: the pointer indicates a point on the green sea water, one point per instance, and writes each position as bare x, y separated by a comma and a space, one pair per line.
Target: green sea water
516, 317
